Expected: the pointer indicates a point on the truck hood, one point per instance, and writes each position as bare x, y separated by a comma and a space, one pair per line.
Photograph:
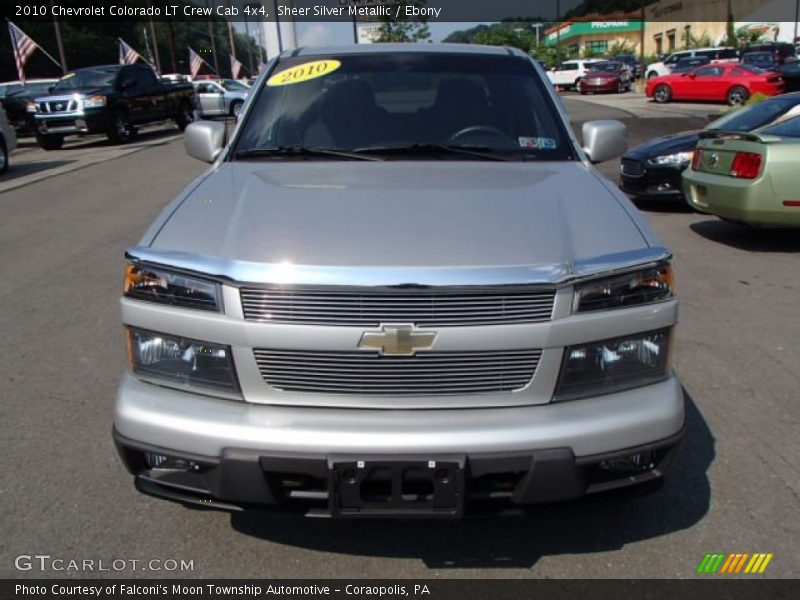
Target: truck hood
401, 214
87, 91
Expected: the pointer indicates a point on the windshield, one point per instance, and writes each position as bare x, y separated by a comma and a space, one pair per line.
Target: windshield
788, 128
606, 67
365, 102
756, 115
87, 78
233, 86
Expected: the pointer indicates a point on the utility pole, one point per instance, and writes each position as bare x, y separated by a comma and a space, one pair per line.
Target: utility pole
249, 45
156, 57
796, 19
59, 41
230, 29
558, 32
171, 32
213, 40
641, 43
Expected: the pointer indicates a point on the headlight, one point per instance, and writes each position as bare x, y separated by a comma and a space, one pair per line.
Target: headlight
613, 365
678, 159
181, 361
30, 106
640, 287
160, 285
94, 101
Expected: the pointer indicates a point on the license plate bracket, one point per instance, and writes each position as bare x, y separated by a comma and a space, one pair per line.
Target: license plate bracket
411, 486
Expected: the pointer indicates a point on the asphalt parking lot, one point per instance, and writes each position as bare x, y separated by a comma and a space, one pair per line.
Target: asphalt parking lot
63, 491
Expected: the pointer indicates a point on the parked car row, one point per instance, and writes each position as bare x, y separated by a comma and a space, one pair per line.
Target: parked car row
113, 100
701, 166
593, 75
766, 55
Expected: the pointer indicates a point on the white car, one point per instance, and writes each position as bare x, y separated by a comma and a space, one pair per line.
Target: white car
8, 140
569, 73
721, 54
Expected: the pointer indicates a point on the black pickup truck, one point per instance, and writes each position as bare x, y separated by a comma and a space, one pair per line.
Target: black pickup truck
110, 99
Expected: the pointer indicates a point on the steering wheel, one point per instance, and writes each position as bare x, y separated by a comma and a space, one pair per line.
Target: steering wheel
473, 129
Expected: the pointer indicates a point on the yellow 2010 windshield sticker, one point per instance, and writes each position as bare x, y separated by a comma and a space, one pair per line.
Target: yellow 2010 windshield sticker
304, 72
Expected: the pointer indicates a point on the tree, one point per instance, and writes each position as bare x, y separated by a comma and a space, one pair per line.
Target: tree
414, 29
620, 48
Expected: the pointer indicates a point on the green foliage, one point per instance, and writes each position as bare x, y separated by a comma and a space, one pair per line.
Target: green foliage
619, 48
413, 29
604, 7
692, 41
746, 36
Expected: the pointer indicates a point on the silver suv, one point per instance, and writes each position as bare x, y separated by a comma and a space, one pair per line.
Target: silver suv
401, 289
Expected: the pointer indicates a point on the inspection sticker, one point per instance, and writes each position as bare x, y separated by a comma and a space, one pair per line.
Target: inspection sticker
537, 143
304, 72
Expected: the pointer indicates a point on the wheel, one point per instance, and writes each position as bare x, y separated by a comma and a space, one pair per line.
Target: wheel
236, 108
652, 74
121, 130
583, 92
578, 86
3, 157
662, 94
49, 142
621, 88
737, 95
184, 117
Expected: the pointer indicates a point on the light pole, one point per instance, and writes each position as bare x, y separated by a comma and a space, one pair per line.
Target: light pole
59, 43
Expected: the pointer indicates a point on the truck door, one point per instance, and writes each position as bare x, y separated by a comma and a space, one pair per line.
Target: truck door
211, 99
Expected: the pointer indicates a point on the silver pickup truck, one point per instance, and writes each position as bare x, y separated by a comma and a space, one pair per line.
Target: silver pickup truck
401, 289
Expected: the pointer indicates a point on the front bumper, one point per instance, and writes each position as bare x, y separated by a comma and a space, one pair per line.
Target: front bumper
655, 182
73, 123
249, 455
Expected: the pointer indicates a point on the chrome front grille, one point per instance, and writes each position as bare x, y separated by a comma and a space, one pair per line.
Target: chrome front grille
632, 168
426, 373
368, 307
56, 106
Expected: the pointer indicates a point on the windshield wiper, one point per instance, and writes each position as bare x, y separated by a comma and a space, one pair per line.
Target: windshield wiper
300, 152
483, 152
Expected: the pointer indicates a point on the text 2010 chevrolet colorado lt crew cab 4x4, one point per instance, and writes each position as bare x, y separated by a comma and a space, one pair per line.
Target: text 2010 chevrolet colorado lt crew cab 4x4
401, 289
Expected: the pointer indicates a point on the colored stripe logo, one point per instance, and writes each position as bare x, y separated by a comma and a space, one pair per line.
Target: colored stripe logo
737, 562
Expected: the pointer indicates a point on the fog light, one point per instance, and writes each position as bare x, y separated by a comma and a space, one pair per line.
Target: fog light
162, 461
633, 463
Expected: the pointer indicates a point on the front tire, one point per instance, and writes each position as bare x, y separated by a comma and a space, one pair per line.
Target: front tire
236, 108
579, 86
121, 130
737, 96
49, 142
3, 157
184, 117
621, 88
662, 94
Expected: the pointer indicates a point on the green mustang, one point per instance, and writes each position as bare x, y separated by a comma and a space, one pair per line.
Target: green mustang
752, 178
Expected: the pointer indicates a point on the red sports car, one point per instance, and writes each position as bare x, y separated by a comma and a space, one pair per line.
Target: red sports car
719, 82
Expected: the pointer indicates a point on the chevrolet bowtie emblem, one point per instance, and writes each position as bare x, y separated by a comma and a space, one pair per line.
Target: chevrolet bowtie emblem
397, 340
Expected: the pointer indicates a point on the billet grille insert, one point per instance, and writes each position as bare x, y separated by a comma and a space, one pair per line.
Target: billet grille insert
425, 373
369, 308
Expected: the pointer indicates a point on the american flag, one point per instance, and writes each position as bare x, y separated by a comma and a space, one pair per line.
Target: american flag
127, 55
23, 47
195, 62
236, 67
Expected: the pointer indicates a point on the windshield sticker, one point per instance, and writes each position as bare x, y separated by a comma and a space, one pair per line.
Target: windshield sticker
304, 72
537, 143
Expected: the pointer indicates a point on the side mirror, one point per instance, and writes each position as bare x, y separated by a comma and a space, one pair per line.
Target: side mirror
204, 140
604, 140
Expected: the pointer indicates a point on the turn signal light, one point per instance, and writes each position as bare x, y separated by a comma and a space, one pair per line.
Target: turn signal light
746, 165
696, 158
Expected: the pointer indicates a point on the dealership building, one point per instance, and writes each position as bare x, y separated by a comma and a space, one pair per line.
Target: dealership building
669, 24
